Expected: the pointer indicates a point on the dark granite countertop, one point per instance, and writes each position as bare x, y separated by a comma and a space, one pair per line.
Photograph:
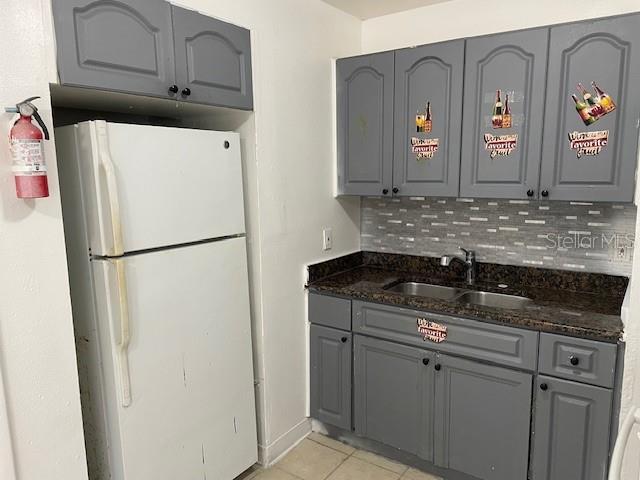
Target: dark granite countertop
579, 304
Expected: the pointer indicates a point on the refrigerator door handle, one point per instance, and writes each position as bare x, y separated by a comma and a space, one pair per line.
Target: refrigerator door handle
123, 336
108, 168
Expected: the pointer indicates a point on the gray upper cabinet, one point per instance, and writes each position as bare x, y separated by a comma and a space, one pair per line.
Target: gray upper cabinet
571, 432
504, 92
592, 159
428, 119
151, 48
393, 397
213, 60
115, 46
364, 87
331, 376
482, 419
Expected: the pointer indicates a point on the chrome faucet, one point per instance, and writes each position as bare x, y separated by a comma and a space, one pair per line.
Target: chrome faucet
469, 261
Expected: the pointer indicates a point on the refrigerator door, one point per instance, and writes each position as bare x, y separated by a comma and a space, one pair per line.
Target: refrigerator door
148, 186
175, 342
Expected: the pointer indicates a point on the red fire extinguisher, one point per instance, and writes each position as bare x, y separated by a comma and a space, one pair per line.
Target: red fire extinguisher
27, 151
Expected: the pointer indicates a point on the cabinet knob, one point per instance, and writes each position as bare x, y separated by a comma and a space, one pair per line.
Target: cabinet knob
544, 387
574, 360
186, 91
529, 193
385, 191
344, 339
545, 193
226, 144
425, 361
438, 367
173, 89
395, 190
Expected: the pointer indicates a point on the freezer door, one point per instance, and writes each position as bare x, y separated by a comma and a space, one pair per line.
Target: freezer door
148, 186
177, 362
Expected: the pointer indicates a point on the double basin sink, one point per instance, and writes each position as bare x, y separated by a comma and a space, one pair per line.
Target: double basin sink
468, 297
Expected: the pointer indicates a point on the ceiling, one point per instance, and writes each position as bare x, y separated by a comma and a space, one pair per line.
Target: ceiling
375, 8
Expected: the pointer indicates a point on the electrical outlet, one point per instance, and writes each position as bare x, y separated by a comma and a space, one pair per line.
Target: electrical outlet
327, 239
622, 253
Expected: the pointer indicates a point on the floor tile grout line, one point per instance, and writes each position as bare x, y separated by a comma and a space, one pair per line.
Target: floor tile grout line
406, 467
335, 449
338, 466
356, 450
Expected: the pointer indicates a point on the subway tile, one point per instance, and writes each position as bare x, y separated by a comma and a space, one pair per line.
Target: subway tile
516, 232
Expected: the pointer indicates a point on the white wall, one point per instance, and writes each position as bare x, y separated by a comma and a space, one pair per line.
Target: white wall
466, 18
291, 184
37, 355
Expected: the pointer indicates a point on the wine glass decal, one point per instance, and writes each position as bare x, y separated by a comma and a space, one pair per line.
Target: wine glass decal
591, 108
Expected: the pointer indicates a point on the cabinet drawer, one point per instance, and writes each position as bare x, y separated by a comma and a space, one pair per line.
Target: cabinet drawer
586, 361
471, 338
329, 311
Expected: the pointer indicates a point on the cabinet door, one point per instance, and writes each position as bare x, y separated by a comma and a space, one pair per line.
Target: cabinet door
501, 142
393, 399
125, 47
594, 162
213, 60
331, 376
571, 431
426, 157
483, 414
364, 88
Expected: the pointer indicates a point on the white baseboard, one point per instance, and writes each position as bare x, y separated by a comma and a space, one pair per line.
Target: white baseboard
270, 454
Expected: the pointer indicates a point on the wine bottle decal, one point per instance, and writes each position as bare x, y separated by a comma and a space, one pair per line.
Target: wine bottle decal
427, 119
583, 110
605, 101
506, 117
591, 108
424, 148
496, 118
424, 122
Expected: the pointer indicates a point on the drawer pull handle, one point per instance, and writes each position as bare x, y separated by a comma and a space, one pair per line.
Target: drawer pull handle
544, 387
344, 339
574, 360
438, 367
425, 361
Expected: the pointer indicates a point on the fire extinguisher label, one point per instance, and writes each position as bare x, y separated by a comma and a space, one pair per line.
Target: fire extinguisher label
28, 157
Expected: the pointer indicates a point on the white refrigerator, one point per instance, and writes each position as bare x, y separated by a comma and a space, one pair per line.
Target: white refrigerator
155, 234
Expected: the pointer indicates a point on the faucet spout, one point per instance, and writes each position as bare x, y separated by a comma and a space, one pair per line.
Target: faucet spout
469, 261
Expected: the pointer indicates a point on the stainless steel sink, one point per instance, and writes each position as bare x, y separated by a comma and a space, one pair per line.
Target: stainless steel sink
426, 290
450, 294
497, 300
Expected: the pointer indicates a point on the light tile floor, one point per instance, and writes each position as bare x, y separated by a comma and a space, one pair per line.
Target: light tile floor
319, 457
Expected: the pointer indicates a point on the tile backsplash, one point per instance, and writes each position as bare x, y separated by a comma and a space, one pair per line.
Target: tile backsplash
581, 236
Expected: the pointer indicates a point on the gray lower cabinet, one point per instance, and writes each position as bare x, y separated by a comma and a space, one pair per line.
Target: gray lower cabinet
482, 419
119, 46
455, 404
213, 60
590, 147
364, 88
394, 395
504, 87
428, 119
331, 358
571, 431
